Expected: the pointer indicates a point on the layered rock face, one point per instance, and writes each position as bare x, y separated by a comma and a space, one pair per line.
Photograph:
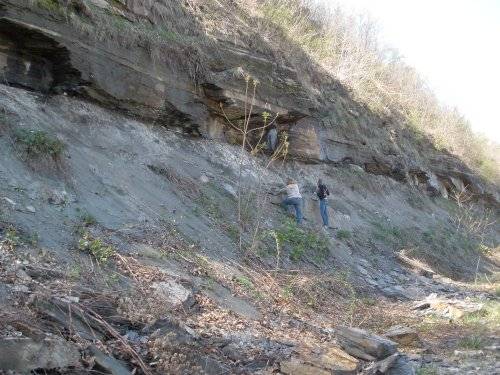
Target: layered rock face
167, 62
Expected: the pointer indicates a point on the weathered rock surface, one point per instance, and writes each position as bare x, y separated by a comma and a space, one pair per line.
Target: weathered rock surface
181, 85
447, 307
395, 364
402, 335
69, 316
24, 354
364, 345
331, 361
173, 294
108, 363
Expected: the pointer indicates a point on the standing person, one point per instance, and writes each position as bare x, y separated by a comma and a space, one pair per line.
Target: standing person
293, 199
272, 138
323, 193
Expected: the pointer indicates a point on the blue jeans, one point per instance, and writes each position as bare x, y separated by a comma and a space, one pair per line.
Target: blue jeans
297, 204
323, 209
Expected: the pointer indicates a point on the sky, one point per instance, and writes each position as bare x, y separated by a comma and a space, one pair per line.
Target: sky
454, 44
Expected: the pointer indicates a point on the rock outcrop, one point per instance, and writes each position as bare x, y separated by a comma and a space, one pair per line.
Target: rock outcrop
121, 55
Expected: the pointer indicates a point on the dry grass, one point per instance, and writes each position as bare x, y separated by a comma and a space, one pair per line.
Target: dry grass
347, 46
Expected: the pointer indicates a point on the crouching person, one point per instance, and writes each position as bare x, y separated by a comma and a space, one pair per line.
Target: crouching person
293, 199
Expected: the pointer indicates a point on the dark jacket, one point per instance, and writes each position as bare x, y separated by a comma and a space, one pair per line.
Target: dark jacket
322, 191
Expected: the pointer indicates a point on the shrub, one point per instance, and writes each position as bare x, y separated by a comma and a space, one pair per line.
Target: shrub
12, 238
88, 219
36, 142
300, 240
96, 247
343, 234
244, 282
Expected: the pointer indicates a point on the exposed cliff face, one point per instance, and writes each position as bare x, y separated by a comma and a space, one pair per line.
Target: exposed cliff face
160, 61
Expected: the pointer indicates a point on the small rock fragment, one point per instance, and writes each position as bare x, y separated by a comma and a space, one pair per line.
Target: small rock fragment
402, 335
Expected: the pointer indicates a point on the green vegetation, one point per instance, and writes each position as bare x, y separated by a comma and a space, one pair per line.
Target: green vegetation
471, 342
244, 282
88, 219
232, 232
36, 143
299, 240
74, 272
12, 238
106, 26
343, 234
210, 207
96, 247
388, 233
50, 5
487, 317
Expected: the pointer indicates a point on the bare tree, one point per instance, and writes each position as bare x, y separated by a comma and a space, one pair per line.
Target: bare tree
252, 137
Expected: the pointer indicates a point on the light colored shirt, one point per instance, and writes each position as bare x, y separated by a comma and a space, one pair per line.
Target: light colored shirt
292, 191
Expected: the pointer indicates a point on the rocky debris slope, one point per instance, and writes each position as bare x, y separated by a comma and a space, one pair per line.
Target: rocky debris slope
70, 323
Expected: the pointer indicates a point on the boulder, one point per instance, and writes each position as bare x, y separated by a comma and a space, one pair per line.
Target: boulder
69, 316
23, 354
447, 308
435, 187
110, 364
364, 345
173, 294
402, 335
330, 361
395, 364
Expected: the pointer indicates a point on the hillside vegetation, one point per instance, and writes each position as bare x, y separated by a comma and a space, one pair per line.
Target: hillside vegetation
347, 45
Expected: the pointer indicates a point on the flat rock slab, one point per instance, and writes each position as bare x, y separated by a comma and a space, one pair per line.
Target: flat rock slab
173, 293
330, 361
224, 298
447, 308
108, 363
402, 335
23, 354
395, 364
364, 345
